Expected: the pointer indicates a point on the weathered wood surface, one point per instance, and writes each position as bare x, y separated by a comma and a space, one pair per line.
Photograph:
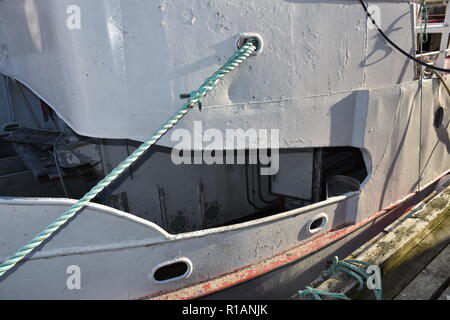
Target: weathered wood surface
407, 268
395, 241
445, 295
428, 285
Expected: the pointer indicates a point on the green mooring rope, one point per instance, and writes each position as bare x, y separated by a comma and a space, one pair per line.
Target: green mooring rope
351, 267
194, 98
318, 293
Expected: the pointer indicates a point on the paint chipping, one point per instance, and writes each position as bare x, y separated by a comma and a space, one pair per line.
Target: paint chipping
344, 57
188, 17
311, 40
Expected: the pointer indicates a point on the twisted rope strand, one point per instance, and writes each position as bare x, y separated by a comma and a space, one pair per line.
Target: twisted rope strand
316, 294
351, 267
195, 97
355, 269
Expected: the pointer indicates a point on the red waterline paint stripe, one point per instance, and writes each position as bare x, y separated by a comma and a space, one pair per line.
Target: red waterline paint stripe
250, 272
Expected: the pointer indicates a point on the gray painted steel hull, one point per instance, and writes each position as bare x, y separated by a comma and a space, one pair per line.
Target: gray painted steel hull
284, 282
146, 53
370, 102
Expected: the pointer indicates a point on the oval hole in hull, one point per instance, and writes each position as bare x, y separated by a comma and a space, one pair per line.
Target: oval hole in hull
173, 270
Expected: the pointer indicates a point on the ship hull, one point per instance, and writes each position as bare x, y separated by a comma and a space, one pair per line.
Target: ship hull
115, 269
100, 81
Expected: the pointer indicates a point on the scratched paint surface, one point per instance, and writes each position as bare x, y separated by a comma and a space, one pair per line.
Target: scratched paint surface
121, 74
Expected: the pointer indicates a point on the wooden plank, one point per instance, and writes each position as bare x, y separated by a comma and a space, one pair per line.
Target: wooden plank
408, 267
445, 295
367, 245
358, 252
401, 239
431, 281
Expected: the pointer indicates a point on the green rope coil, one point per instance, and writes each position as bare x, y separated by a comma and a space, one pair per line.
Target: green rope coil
194, 98
318, 293
351, 267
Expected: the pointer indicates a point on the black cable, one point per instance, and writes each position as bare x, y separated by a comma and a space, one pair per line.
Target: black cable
260, 185
261, 196
247, 189
397, 47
